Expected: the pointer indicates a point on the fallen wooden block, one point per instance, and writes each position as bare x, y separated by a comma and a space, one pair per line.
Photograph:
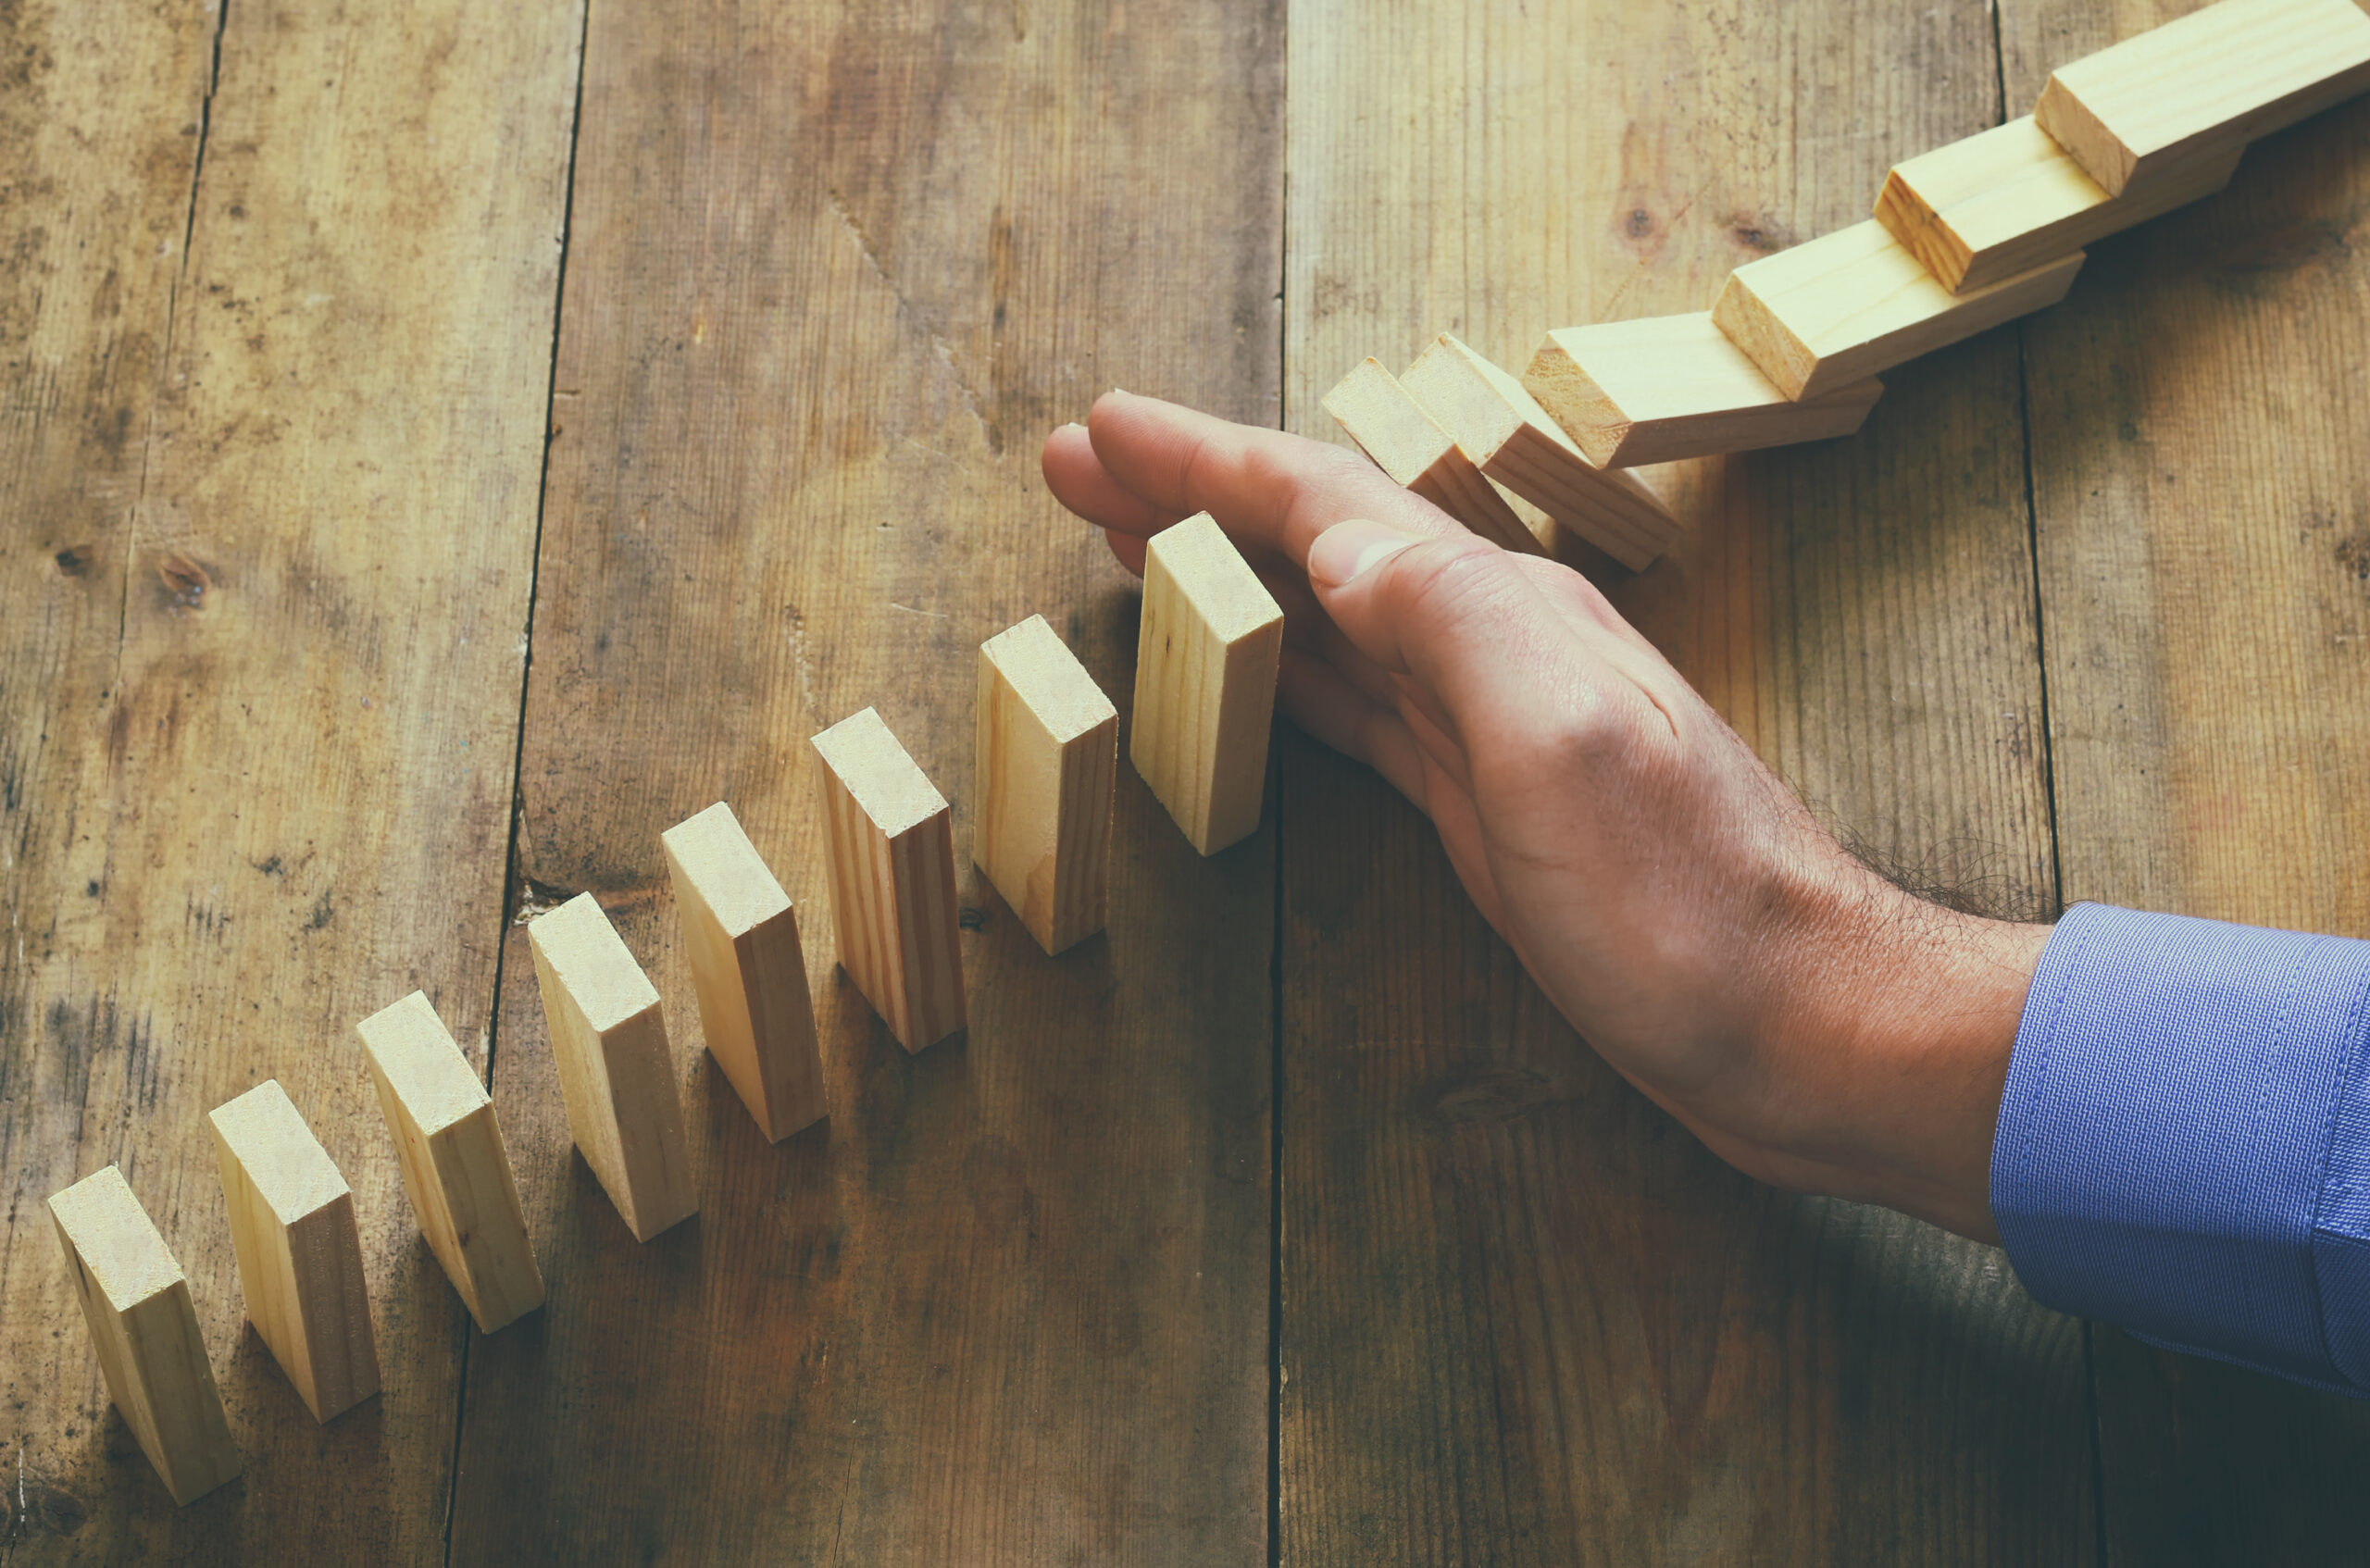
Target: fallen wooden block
1668, 387
1206, 658
145, 1326
455, 1166
1407, 443
1504, 431
1850, 303
300, 1257
893, 882
2010, 199
2200, 87
747, 970
1048, 753
616, 1071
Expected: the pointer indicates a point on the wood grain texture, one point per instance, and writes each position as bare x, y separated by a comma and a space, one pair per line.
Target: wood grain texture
1525, 1319
832, 273
1406, 443
2202, 485
1046, 759
271, 439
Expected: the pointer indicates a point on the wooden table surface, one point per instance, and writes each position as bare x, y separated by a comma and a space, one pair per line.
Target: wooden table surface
445, 443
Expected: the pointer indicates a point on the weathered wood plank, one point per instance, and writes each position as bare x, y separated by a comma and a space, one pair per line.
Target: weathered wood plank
832, 273
270, 509
2201, 479
1526, 1317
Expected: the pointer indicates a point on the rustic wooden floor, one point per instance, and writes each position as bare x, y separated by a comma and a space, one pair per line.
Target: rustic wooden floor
447, 443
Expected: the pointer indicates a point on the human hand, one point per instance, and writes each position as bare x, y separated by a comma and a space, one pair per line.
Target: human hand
1813, 1025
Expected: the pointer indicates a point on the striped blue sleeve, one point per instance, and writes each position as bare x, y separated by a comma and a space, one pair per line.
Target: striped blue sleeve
2184, 1145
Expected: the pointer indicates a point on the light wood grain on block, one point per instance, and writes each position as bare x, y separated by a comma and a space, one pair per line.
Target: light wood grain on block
454, 1164
616, 1071
1504, 431
1668, 387
1407, 443
300, 1257
1048, 753
2204, 85
2008, 199
1847, 304
1206, 657
144, 1328
748, 970
893, 882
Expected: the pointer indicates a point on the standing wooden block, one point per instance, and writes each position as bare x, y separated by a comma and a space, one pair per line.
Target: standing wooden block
455, 1166
1668, 387
616, 1071
1407, 443
1502, 429
1048, 753
1855, 301
1206, 658
2200, 87
893, 882
300, 1258
144, 1328
748, 970
2010, 198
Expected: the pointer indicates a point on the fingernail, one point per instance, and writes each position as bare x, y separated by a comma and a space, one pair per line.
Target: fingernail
1073, 425
1349, 549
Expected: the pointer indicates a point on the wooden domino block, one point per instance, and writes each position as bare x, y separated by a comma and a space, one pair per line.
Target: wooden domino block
454, 1165
300, 1257
1850, 303
1048, 755
1504, 431
748, 970
1206, 658
615, 1070
1668, 387
2009, 199
1407, 443
2200, 87
893, 882
144, 1328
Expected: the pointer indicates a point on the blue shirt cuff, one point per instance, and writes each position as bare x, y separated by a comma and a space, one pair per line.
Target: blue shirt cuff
2184, 1145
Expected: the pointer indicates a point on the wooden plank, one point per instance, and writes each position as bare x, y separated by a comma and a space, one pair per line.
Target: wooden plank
145, 1328
1665, 387
1526, 1317
1850, 303
283, 420
2200, 87
1406, 443
1207, 652
1504, 431
300, 1259
893, 880
832, 273
2202, 474
455, 1168
1047, 758
748, 970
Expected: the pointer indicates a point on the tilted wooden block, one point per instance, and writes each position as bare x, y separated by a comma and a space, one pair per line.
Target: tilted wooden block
1048, 755
1207, 657
454, 1165
616, 1071
1847, 304
1407, 443
1668, 387
748, 970
1504, 431
2010, 198
300, 1257
2201, 87
145, 1326
893, 882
